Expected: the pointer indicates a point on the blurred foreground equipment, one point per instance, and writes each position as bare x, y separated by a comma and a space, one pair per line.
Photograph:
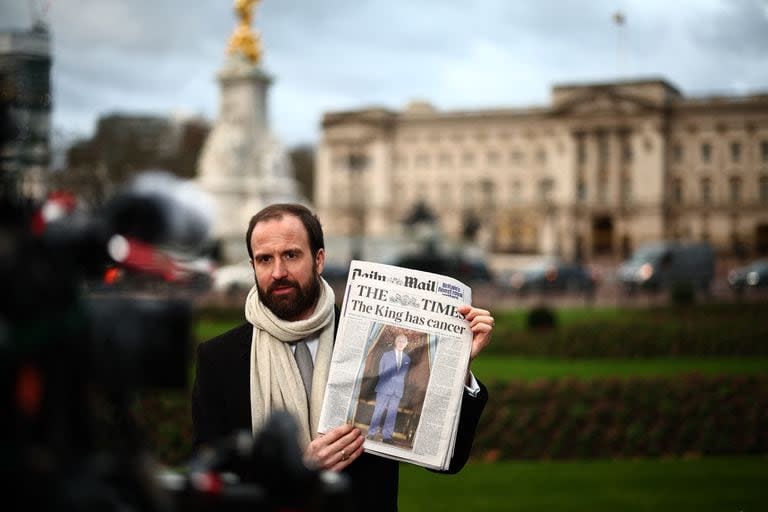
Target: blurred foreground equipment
71, 364
241, 472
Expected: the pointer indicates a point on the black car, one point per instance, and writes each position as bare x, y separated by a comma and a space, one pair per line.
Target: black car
551, 277
752, 276
462, 268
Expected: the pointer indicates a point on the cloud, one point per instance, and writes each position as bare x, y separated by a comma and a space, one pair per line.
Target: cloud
340, 54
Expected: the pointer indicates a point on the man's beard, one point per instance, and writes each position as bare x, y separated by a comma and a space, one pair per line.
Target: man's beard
290, 306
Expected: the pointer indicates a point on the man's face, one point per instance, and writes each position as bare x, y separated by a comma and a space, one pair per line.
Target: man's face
287, 275
401, 342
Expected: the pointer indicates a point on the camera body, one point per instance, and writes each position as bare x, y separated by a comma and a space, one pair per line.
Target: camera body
71, 363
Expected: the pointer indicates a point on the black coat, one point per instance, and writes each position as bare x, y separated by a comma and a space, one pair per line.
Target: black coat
221, 406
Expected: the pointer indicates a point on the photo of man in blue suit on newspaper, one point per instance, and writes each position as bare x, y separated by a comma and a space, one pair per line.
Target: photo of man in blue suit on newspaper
393, 369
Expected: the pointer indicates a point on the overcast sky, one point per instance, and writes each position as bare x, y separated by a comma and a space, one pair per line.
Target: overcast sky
161, 56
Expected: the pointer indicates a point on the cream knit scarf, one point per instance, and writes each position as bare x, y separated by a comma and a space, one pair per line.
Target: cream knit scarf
275, 379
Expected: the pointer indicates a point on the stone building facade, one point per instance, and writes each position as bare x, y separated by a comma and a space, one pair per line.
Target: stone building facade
604, 168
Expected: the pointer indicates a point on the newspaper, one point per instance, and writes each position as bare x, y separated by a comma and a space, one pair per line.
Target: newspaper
406, 402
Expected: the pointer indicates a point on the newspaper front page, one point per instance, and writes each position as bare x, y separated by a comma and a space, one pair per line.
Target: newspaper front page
400, 362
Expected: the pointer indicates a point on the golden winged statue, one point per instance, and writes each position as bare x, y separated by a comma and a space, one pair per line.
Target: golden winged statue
243, 40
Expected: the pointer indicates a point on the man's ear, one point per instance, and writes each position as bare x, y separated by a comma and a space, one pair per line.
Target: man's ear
320, 261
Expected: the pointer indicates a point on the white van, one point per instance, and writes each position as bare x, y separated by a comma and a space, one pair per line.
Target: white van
662, 265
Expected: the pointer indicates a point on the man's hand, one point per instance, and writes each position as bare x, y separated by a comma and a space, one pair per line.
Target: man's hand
481, 324
336, 449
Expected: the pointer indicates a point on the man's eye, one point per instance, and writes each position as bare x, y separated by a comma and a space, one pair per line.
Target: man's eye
263, 259
291, 255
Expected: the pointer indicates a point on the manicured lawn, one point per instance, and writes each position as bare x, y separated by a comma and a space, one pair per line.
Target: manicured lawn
208, 329
708, 484
492, 366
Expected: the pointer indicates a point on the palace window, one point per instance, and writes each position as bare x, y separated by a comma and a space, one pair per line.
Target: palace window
735, 189
735, 152
626, 153
677, 153
764, 150
581, 149
546, 187
706, 152
677, 190
603, 152
706, 190
486, 187
764, 189
581, 191
357, 162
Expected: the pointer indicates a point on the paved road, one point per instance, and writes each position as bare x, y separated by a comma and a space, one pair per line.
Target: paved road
608, 294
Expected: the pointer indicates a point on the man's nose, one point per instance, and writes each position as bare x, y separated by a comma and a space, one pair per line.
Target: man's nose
278, 270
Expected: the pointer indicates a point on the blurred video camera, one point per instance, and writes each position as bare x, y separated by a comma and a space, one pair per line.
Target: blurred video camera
72, 362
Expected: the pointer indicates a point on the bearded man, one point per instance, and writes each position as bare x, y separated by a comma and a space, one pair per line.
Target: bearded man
280, 358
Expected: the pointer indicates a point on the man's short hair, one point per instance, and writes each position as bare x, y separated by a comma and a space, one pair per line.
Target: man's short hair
276, 212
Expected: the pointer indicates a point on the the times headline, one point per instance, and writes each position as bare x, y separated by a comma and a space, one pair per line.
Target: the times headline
400, 361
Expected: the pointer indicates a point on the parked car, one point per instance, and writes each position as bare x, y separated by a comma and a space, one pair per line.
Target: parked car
752, 276
459, 267
663, 265
550, 276
234, 279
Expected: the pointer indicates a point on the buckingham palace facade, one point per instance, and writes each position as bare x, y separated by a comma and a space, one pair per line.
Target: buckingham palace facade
602, 169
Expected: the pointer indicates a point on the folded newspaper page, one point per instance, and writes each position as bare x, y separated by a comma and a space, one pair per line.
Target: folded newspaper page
400, 362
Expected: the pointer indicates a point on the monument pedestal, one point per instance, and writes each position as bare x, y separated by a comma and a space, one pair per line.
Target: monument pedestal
243, 166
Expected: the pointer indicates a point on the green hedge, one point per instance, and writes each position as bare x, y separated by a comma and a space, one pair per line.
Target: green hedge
700, 331
679, 416
568, 418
